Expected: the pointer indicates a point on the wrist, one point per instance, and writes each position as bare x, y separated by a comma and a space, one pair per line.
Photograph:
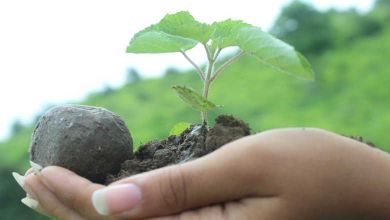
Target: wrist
380, 190
387, 195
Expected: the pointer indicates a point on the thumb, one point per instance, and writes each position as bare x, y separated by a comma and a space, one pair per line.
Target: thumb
216, 178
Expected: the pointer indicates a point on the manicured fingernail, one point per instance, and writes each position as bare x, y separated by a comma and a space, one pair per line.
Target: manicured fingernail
31, 203
19, 178
116, 199
36, 167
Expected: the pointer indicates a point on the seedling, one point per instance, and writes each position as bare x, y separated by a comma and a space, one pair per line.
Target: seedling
180, 32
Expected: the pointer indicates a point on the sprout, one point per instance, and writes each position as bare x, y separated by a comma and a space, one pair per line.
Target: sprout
180, 32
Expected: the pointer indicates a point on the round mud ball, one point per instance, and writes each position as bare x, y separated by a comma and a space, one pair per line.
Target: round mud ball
92, 142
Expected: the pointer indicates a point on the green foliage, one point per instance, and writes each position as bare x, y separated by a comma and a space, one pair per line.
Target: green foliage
184, 25
191, 97
225, 33
180, 31
273, 52
179, 128
312, 32
381, 13
159, 42
301, 25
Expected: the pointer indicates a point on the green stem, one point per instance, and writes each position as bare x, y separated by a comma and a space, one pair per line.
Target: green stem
207, 81
198, 70
227, 63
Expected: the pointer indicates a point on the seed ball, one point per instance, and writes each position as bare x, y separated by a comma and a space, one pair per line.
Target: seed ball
91, 141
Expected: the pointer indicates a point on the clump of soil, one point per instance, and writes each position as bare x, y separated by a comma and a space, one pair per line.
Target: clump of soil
193, 143
93, 142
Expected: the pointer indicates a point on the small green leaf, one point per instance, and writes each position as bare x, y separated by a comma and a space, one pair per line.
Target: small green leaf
151, 41
179, 128
273, 52
194, 99
184, 25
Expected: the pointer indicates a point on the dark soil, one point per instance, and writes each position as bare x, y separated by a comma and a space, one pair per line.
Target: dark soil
360, 139
193, 143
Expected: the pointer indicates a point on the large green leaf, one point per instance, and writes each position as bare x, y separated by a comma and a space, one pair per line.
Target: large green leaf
184, 25
194, 99
273, 52
225, 33
174, 33
152, 41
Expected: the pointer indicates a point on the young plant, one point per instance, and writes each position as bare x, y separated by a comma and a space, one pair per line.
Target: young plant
180, 32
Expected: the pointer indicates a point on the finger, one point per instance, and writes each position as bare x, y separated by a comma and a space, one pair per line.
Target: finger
29, 200
219, 177
46, 200
34, 205
72, 190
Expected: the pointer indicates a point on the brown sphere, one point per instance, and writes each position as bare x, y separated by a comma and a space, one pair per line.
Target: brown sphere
90, 141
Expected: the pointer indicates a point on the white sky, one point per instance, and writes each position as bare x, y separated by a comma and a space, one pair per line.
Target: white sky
59, 51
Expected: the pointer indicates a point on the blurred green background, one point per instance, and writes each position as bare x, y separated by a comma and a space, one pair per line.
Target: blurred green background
351, 95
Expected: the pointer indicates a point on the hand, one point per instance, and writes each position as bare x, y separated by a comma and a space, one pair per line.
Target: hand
280, 174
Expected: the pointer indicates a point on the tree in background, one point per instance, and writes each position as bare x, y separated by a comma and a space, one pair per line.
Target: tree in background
381, 12
304, 27
16, 127
313, 32
350, 25
132, 76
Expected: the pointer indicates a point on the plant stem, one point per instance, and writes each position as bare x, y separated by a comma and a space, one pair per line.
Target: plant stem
227, 63
198, 70
217, 53
207, 81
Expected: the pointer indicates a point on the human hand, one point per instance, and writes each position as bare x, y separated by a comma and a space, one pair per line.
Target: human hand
279, 174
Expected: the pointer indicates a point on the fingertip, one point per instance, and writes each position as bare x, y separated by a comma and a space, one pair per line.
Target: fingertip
30, 170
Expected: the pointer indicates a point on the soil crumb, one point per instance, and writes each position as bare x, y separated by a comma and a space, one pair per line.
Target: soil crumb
193, 143
360, 139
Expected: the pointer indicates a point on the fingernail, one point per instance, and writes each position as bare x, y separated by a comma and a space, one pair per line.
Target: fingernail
36, 167
116, 199
31, 203
19, 178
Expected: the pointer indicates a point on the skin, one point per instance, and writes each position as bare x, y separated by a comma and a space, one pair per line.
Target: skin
295, 174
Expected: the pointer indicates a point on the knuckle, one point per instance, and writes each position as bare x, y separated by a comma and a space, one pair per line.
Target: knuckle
58, 212
174, 191
80, 200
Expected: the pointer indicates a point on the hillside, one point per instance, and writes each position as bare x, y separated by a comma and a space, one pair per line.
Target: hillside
350, 96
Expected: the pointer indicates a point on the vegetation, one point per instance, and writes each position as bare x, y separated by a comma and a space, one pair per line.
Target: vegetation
180, 32
350, 96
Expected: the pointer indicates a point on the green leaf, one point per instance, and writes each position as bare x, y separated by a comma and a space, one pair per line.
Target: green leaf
151, 41
174, 33
194, 99
273, 52
184, 25
225, 33
179, 128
